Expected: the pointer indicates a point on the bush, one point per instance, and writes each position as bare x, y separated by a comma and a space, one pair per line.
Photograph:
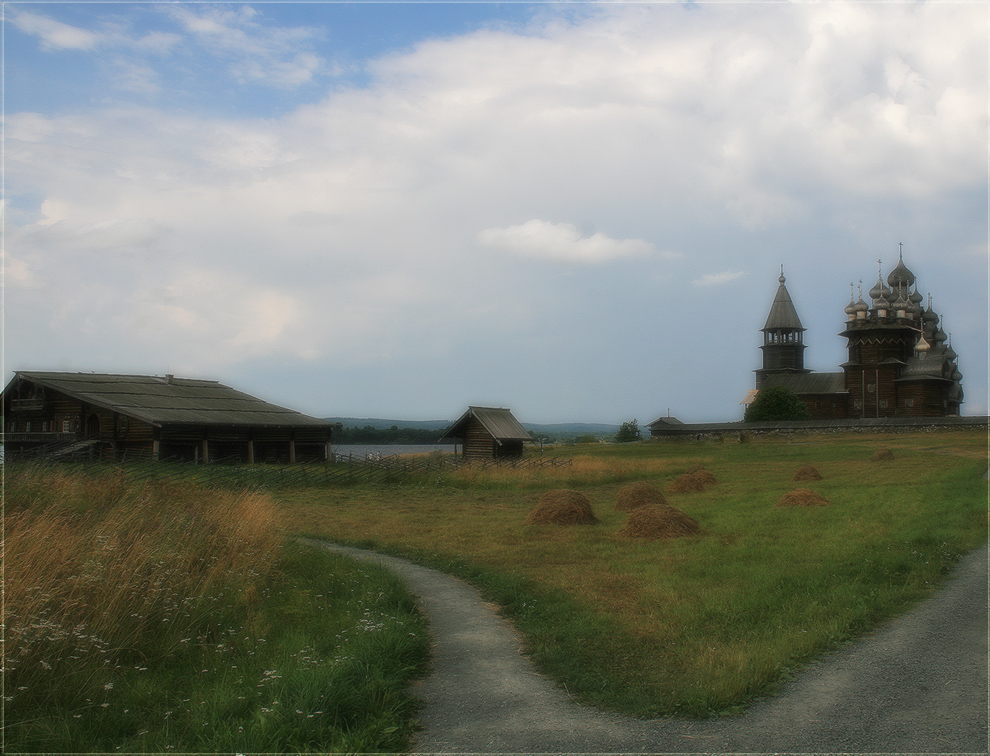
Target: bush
777, 403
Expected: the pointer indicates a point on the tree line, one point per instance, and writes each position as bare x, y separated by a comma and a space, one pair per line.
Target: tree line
393, 435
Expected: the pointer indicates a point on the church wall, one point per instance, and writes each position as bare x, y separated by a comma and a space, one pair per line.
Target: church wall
826, 406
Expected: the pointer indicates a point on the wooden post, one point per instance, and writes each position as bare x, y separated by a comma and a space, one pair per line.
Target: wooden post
250, 452
206, 452
292, 452
155, 449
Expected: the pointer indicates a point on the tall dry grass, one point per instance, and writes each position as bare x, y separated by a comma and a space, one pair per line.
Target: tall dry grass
102, 575
584, 469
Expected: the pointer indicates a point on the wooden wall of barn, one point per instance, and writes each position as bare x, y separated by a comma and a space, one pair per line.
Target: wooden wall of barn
61, 417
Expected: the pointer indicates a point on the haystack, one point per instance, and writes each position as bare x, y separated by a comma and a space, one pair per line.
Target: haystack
882, 455
562, 507
803, 497
705, 477
686, 483
653, 521
807, 472
637, 495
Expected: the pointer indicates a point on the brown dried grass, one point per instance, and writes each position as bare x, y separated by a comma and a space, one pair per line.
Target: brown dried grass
882, 455
123, 560
706, 477
803, 497
686, 483
807, 472
637, 495
562, 506
653, 522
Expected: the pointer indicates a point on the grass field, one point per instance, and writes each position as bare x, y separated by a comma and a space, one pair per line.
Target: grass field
698, 625
160, 618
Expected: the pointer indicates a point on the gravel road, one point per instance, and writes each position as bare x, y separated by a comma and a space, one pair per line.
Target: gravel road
917, 684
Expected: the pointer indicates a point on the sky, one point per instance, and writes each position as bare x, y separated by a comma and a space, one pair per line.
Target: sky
575, 210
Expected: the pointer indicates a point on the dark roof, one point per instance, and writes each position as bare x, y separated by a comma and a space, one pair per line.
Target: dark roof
663, 421
497, 421
160, 400
782, 312
808, 383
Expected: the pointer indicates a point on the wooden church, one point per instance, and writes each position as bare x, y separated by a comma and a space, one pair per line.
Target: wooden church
901, 363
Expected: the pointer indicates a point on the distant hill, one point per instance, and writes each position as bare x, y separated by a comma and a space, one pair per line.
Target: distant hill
381, 424
552, 429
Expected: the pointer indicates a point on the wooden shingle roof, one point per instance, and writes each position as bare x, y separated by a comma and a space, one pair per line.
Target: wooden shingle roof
161, 400
498, 421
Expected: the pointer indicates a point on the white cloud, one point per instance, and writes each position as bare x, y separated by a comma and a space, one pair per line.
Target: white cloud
719, 279
560, 242
55, 35
257, 51
339, 231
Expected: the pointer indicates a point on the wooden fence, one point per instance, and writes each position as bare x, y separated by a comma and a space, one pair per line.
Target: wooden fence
342, 471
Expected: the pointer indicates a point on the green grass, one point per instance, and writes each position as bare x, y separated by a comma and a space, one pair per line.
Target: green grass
694, 626
179, 620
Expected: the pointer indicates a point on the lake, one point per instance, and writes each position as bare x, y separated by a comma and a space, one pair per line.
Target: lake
363, 451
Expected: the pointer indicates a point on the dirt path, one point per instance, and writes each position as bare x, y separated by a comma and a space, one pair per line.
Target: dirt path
916, 685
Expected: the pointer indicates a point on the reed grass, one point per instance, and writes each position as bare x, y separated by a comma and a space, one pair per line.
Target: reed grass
163, 617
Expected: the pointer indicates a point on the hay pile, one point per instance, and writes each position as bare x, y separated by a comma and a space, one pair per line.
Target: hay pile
803, 497
882, 455
654, 521
687, 483
637, 495
706, 477
562, 507
807, 472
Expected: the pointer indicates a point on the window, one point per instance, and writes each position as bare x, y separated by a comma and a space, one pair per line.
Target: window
883, 404
870, 388
909, 402
857, 404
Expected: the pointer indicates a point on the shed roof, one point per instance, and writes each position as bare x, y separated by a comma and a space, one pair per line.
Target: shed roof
664, 421
808, 383
161, 400
498, 421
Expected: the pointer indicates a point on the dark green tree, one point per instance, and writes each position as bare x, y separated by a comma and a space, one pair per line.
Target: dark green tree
628, 431
776, 403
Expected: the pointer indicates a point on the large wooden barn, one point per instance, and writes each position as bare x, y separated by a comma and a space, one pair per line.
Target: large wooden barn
154, 417
488, 433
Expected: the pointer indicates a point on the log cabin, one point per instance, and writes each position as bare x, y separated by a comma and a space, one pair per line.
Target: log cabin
488, 433
114, 417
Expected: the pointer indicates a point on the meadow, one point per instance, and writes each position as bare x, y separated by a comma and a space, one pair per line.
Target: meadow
694, 626
165, 617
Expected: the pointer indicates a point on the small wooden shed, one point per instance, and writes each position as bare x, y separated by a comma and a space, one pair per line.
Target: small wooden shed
153, 417
488, 433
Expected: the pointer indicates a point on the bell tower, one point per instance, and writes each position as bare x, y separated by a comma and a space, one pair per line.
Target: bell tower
783, 338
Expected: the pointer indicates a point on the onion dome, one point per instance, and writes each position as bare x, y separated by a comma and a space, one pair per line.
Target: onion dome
900, 304
878, 290
950, 353
913, 308
922, 345
916, 296
956, 375
939, 336
881, 304
929, 316
900, 274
